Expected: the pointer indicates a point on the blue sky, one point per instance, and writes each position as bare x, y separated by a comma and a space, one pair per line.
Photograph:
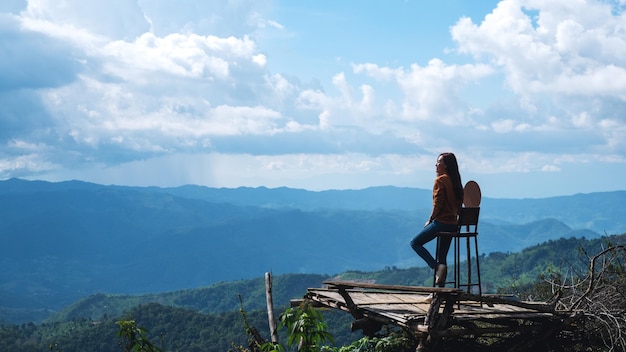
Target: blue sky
530, 95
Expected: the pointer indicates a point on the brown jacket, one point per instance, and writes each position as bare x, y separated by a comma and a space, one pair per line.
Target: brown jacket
445, 205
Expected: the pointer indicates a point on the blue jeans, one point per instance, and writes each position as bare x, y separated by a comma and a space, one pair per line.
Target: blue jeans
429, 233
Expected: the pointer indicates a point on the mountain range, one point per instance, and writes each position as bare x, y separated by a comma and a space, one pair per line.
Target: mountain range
64, 241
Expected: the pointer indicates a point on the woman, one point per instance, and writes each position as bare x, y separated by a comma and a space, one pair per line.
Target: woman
447, 200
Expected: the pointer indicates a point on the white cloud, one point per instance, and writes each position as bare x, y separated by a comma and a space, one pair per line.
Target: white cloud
570, 48
550, 168
112, 18
503, 126
172, 82
191, 56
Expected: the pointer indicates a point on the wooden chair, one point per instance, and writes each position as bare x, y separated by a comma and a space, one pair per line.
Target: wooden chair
468, 230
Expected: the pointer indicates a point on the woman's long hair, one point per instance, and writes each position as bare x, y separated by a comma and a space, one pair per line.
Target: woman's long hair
452, 170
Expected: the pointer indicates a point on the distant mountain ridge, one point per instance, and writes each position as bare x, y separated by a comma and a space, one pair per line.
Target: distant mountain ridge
64, 241
601, 212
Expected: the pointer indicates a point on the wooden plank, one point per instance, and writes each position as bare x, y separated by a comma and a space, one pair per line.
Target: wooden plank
468, 309
366, 297
537, 306
367, 285
406, 310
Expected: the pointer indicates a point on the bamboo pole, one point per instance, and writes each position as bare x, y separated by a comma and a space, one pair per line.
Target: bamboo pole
270, 307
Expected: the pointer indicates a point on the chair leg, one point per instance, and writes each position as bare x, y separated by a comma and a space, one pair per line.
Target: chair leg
455, 272
457, 262
456, 276
480, 287
457, 266
469, 265
436, 259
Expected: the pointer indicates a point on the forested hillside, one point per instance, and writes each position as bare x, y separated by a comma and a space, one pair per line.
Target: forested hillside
207, 319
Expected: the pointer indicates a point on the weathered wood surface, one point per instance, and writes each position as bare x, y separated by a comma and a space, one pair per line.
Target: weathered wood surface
451, 312
393, 288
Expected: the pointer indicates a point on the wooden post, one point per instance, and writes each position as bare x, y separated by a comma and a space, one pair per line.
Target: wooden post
270, 307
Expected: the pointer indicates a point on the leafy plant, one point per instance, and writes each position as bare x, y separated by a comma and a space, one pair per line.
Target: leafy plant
305, 327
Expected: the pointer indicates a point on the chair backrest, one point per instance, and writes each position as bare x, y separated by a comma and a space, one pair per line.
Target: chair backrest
468, 218
468, 215
471, 194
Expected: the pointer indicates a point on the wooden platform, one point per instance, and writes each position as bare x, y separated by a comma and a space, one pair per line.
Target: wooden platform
449, 313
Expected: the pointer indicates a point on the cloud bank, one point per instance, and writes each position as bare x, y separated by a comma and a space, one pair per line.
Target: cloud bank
163, 93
